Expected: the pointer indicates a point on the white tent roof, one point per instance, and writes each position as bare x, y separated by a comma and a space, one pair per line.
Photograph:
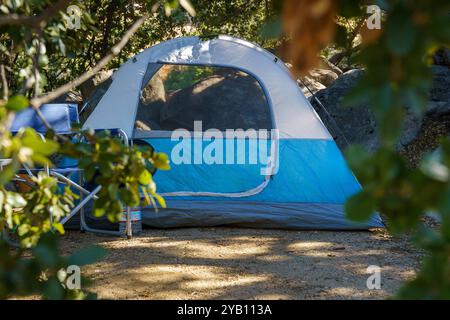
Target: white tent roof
293, 115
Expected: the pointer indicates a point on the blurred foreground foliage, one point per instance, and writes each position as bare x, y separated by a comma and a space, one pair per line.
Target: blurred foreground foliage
397, 58
31, 208
41, 271
398, 78
33, 215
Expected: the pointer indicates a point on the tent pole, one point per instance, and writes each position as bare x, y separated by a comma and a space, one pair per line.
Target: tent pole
336, 127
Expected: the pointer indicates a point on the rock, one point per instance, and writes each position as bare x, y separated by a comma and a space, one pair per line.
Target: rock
154, 91
432, 129
357, 124
152, 100
70, 97
442, 57
142, 126
221, 101
318, 78
94, 98
439, 102
325, 77
88, 87
325, 64
336, 57
438, 107
411, 127
309, 85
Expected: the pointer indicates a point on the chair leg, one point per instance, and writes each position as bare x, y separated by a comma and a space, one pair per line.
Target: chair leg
84, 225
86, 228
129, 227
80, 182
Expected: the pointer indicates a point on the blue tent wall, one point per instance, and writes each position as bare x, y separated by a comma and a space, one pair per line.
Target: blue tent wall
308, 192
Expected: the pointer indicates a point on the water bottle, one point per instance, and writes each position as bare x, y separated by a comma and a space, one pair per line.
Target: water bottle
136, 221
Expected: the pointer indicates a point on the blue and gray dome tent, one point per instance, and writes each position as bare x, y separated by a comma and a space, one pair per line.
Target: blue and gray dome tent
305, 183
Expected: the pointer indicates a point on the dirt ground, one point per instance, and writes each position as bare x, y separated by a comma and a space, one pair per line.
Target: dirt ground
231, 263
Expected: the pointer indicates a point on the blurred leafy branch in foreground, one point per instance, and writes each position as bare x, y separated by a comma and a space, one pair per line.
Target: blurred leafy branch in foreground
33, 214
397, 60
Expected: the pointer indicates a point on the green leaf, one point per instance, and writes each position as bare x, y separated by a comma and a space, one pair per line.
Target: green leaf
414, 99
161, 161
59, 227
15, 200
360, 207
46, 255
271, 29
53, 289
23, 229
99, 212
160, 200
356, 155
145, 178
17, 103
432, 166
43, 60
89, 172
33, 141
429, 239
8, 172
401, 33
87, 256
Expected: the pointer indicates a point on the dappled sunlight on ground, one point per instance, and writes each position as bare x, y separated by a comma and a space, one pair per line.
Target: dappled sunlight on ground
225, 263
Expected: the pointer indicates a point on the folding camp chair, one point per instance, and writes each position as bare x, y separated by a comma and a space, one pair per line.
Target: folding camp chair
61, 117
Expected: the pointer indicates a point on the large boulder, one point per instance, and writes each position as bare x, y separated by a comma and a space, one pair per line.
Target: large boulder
92, 95
324, 76
154, 91
222, 101
91, 85
152, 100
327, 65
439, 102
442, 57
318, 78
354, 124
310, 86
357, 124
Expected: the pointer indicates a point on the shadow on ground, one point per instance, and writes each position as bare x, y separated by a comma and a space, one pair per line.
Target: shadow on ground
226, 263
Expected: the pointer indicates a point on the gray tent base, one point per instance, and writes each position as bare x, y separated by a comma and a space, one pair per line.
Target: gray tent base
295, 216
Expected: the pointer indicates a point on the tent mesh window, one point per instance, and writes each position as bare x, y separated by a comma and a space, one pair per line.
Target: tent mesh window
222, 98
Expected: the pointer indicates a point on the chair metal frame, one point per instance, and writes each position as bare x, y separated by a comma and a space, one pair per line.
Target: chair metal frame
85, 195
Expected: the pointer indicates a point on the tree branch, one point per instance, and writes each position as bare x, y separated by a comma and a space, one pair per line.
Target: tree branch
4, 82
115, 50
34, 22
